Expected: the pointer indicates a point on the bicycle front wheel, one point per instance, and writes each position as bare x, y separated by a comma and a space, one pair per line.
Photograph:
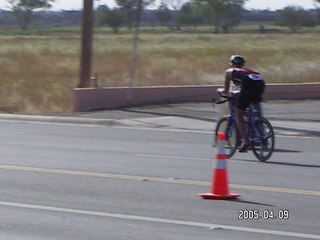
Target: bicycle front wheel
263, 139
229, 127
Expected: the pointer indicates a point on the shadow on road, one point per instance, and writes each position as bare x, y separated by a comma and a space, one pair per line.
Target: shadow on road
286, 151
162, 114
295, 164
250, 202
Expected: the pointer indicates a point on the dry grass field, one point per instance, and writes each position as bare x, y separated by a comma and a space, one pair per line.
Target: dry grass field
38, 73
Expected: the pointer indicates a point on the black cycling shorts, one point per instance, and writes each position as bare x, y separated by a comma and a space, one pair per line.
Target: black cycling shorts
251, 93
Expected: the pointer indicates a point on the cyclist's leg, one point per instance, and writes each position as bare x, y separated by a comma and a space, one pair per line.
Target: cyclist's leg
241, 122
258, 108
244, 100
259, 89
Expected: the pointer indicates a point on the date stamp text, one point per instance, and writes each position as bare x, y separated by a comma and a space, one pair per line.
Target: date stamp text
255, 214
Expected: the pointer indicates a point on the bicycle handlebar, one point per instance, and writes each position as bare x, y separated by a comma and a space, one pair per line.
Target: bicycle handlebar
219, 101
227, 99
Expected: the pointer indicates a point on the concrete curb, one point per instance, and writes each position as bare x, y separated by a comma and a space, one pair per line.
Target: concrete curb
107, 98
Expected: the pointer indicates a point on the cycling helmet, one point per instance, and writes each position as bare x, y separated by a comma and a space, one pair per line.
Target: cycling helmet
237, 60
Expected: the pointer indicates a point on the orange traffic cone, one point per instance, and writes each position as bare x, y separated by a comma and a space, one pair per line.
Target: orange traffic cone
220, 187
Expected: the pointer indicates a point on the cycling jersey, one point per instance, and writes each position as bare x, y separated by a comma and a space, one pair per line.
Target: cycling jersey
240, 75
252, 86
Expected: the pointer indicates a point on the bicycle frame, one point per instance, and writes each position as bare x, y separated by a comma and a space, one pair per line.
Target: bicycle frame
231, 117
252, 131
259, 131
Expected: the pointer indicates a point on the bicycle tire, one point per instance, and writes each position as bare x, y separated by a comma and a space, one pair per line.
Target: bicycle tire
263, 145
230, 128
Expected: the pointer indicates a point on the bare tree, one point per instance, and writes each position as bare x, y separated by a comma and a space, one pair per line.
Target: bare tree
176, 6
130, 7
295, 17
223, 13
23, 10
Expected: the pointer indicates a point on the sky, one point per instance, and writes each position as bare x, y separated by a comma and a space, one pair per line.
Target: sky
250, 4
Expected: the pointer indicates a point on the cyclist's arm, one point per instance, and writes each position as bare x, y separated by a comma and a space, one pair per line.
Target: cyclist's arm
227, 80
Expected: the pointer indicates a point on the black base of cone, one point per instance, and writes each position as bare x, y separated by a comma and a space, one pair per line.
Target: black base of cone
219, 196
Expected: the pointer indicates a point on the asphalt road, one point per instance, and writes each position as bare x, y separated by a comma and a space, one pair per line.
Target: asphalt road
77, 181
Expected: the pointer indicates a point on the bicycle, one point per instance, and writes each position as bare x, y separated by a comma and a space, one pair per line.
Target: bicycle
259, 131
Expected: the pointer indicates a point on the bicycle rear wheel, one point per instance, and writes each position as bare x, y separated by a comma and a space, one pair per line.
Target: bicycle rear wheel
263, 141
229, 127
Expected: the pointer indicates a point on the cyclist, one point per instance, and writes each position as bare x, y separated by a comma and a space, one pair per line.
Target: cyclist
251, 89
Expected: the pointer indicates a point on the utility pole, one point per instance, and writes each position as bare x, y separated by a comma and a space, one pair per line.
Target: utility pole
134, 53
86, 44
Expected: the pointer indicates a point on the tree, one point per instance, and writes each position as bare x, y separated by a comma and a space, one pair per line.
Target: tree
164, 14
232, 15
294, 18
130, 7
23, 10
115, 18
176, 6
190, 14
223, 14
318, 9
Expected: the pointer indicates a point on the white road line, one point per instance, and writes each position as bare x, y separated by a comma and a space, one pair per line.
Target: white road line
160, 220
